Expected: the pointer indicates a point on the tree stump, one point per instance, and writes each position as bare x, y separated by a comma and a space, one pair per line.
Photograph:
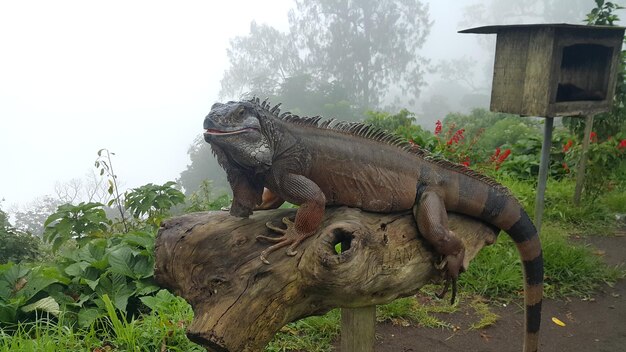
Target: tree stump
211, 259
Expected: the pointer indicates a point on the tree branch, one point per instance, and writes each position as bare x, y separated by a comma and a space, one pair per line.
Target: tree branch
212, 260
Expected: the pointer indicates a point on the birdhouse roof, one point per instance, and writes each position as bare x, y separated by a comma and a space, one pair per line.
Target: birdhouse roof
498, 28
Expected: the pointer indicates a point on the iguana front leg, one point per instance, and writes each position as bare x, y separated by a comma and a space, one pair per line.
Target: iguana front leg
432, 221
299, 190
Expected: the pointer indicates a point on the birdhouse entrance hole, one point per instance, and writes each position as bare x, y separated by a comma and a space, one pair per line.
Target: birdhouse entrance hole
584, 73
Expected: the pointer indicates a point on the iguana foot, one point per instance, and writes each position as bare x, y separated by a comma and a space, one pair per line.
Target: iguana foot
453, 265
290, 237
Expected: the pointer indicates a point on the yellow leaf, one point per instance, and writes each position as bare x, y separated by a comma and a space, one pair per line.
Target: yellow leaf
558, 322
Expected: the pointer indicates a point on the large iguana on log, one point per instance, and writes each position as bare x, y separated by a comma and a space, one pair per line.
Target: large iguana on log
313, 163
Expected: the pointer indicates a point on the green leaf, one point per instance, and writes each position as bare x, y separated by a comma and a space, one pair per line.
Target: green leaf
143, 267
8, 312
91, 283
117, 288
121, 261
76, 269
88, 316
146, 287
47, 304
141, 239
12, 273
53, 217
37, 280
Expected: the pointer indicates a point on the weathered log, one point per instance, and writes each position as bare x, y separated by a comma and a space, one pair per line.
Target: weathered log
212, 260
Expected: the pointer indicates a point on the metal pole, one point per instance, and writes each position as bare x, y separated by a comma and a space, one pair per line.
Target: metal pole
543, 171
582, 163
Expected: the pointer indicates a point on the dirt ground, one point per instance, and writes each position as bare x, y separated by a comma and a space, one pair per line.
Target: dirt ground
597, 324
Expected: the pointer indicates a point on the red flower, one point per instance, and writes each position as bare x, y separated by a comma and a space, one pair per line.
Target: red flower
593, 136
437, 127
458, 135
504, 155
466, 163
622, 144
565, 167
567, 146
494, 156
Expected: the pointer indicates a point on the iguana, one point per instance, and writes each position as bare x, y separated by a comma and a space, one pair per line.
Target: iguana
313, 163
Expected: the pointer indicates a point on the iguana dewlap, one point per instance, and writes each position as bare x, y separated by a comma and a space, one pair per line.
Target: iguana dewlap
315, 163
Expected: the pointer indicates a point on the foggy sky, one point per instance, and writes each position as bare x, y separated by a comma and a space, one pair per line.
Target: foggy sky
136, 77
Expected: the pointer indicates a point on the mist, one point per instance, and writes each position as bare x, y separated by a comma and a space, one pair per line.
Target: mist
138, 77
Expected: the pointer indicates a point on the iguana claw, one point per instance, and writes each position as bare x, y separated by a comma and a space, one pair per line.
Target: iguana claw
289, 237
454, 268
445, 290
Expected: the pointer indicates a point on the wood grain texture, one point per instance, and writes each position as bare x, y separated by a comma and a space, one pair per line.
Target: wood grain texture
212, 260
358, 329
533, 63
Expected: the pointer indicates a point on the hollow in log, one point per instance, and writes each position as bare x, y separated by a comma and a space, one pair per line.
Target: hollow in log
211, 259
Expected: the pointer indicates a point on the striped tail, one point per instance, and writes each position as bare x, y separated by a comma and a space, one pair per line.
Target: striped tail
494, 204
525, 235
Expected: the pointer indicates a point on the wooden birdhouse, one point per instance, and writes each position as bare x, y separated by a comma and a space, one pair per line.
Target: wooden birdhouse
554, 69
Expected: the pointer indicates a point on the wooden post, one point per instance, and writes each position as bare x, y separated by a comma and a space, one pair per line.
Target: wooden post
358, 327
543, 171
582, 163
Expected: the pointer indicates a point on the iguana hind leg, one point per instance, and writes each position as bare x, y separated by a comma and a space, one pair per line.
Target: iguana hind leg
432, 221
269, 200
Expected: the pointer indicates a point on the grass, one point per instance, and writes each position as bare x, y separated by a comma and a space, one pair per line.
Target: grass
570, 270
314, 334
156, 331
410, 311
486, 316
595, 216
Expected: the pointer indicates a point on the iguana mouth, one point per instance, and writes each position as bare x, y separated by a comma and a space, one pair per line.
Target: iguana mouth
222, 133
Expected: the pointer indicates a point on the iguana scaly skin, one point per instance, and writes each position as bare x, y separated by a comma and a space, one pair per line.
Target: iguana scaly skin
315, 163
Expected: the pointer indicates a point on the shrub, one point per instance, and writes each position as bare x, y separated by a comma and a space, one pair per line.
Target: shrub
17, 246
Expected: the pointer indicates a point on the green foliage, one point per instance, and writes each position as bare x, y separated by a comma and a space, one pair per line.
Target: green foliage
401, 123
48, 335
17, 246
23, 290
203, 199
478, 120
153, 201
604, 159
570, 270
79, 222
4, 219
155, 331
314, 334
603, 14
120, 266
525, 158
98, 262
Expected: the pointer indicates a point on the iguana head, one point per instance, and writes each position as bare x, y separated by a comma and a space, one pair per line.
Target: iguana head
235, 128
